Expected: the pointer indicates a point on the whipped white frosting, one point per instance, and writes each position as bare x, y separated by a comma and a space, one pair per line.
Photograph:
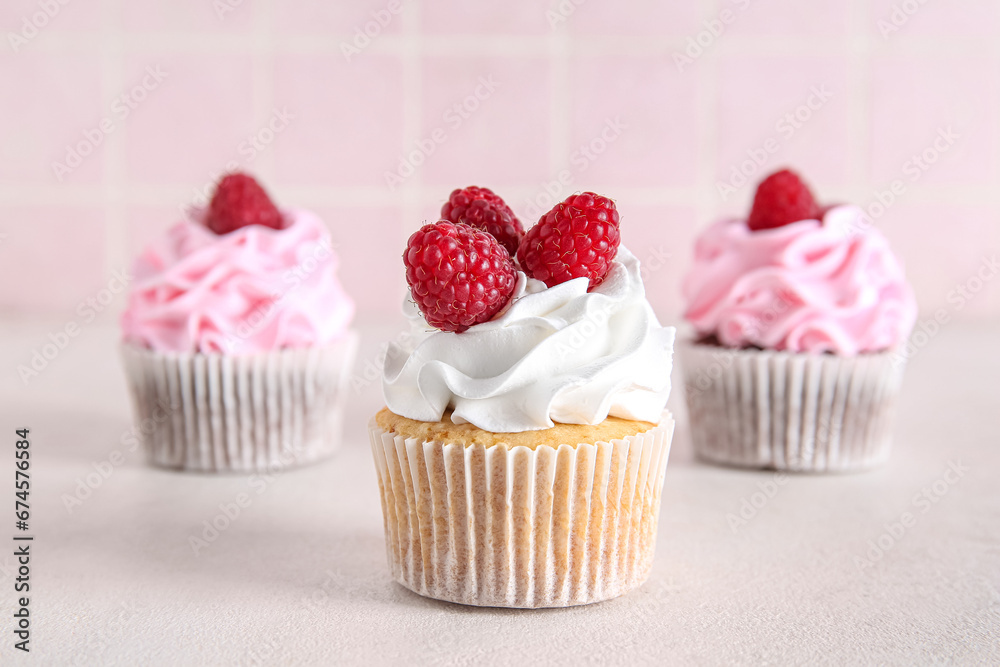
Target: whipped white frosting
558, 354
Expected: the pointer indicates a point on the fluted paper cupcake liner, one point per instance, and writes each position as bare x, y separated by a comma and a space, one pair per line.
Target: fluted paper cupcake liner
221, 413
519, 527
790, 411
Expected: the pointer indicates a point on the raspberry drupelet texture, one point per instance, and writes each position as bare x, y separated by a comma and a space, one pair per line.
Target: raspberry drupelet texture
782, 198
458, 275
577, 239
239, 201
483, 209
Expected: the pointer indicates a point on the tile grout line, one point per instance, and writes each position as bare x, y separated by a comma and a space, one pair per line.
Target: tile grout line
263, 81
561, 47
859, 60
513, 45
114, 156
708, 122
375, 196
412, 61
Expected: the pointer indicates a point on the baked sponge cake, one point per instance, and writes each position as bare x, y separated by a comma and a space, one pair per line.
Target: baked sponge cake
522, 452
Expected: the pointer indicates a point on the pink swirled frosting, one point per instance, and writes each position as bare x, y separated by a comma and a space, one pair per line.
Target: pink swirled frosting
252, 290
811, 286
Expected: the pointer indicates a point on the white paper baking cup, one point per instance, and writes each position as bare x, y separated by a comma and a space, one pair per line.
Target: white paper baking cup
516, 527
221, 413
790, 411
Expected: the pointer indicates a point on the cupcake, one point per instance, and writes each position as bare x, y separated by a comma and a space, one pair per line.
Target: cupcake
236, 338
799, 312
522, 450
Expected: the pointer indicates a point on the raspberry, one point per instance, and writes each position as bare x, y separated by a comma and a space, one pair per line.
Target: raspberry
240, 201
483, 209
458, 275
576, 239
782, 198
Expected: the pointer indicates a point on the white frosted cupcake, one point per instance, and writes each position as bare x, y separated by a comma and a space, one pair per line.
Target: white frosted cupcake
236, 337
798, 312
522, 452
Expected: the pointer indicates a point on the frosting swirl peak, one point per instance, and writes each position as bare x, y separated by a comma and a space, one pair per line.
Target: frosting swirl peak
557, 354
252, 290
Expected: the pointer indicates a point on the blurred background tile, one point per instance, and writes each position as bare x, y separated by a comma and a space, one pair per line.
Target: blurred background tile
457, 17
934, 120
628, 128
344, 19
31, 19
52, 111
892, 19
347, 118
54, 256
777, 112
372, 112
789, 19
192, 124
485, 120
221, 16
639, 18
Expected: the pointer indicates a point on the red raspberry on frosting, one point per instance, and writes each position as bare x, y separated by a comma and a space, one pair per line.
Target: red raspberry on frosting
239, 201
458, 275
782, 198
577, 239
483, 209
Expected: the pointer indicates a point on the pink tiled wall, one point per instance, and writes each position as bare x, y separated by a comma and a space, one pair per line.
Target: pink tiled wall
535, 99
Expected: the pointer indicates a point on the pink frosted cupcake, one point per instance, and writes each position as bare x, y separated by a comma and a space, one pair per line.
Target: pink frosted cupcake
798, 312
236, 337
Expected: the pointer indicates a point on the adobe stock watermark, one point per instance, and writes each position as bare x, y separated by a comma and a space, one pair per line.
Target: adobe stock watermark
656, 259
786, 127
751, 329
352, 587
582, 332
697, 45
365, 34
106, 633
372, 369
87, 485
8, 568
921, 504
230, 512
928, 328
224, 8
656, 593
912, 170
453, 117
315, 256
261, 651
751, 505
32, 24
552, 192
561, 12
898, 17
58, 340
121, 108
247, 151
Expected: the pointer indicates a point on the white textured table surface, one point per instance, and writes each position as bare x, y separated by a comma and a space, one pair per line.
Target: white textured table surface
300, 576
